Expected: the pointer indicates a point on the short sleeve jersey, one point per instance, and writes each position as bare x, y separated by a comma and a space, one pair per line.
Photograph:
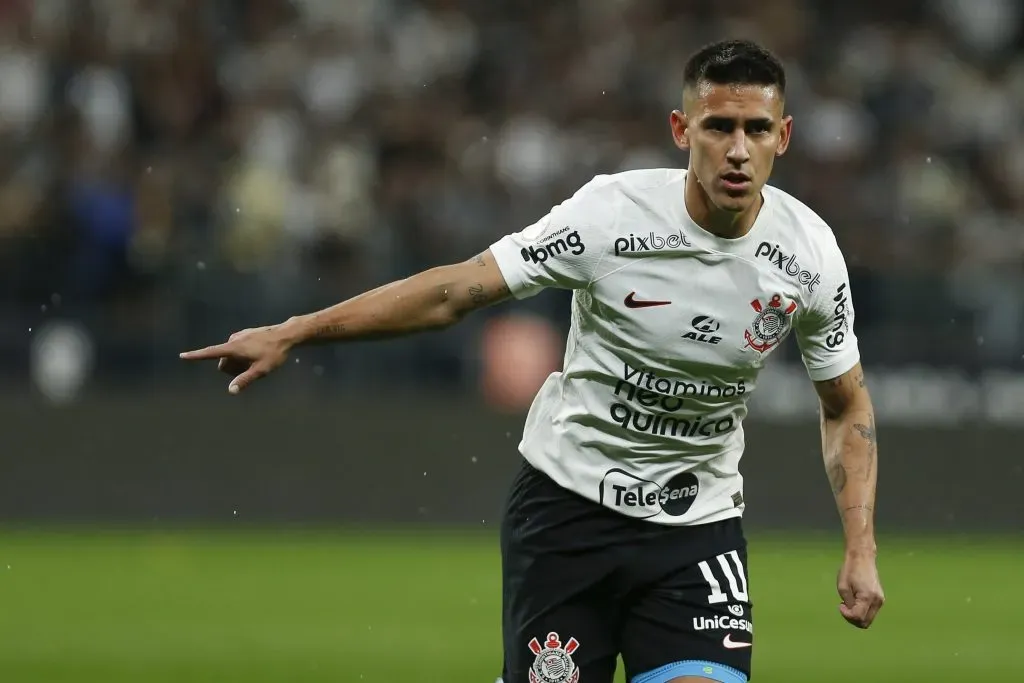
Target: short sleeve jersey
670, 326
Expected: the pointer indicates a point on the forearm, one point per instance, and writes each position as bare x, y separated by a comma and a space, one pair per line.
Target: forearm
431, 300
850, 449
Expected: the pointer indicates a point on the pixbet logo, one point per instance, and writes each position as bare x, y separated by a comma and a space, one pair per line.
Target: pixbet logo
649, 242
788, 264
641, 498
704, 329
840, 325
570, 243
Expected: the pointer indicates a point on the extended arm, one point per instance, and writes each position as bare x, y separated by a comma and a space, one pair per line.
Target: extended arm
850, 449
433, 299
561, 250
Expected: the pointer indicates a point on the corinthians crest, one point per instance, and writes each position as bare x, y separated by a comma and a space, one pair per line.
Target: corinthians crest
771, 323
553, 663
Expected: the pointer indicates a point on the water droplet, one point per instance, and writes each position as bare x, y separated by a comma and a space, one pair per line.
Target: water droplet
234, 512
200, 265
30, 329
296, 361
603, 92
473, 460
508, 435
43, 308
928, 160
424, 474
238, 209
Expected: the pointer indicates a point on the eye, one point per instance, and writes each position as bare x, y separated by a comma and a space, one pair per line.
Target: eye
719, 125
759, 127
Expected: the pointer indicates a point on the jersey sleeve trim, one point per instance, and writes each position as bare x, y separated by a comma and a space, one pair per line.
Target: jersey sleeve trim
505, 253
843, 364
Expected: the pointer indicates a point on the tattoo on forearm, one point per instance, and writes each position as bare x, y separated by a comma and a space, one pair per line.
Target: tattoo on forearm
869, 434
479, 260
837, 476
865, 508
328, 331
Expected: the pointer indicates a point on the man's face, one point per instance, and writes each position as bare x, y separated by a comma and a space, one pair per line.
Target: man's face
733, 134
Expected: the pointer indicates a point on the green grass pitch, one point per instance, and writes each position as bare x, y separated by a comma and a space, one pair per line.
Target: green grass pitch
256, 607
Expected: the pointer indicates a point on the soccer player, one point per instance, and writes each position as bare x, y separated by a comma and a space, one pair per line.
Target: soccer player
622, 532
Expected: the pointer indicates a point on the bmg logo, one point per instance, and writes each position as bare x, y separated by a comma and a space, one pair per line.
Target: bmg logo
571, 243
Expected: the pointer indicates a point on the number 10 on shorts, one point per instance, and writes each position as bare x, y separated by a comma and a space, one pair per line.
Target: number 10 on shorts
736, 581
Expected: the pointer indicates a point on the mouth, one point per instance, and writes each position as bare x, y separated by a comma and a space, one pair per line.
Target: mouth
735, 181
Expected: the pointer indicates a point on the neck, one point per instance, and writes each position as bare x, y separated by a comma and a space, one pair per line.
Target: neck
725, 224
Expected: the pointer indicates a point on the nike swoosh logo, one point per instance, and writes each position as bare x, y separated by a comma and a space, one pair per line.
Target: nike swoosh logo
731, 644
631, 302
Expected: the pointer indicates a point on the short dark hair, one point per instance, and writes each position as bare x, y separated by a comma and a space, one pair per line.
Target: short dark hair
735, 62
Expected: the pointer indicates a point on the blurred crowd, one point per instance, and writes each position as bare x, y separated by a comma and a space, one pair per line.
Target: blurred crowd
173, 170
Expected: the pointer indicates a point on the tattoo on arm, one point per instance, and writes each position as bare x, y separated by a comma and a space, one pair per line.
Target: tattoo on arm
328, 331
868, 433
837, 475
479, 260
477, 294
480, 296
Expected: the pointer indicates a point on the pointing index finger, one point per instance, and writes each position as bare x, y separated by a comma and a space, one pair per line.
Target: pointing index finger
215, 351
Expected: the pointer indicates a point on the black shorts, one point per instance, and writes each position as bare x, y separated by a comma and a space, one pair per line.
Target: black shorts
583, 584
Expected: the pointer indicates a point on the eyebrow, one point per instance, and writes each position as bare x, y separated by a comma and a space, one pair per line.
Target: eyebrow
719, 119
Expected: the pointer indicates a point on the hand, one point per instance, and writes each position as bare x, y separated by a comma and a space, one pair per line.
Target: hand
247, 355
860, 589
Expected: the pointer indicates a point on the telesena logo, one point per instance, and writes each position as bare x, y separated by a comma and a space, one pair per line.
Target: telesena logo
571, 243
788, 264
840, 324
640, 498
649, 242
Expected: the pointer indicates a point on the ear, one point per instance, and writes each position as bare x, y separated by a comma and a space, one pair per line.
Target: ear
680, 129
785, 133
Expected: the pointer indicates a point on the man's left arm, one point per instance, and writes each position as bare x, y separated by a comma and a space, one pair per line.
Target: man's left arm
850, 449
828, 345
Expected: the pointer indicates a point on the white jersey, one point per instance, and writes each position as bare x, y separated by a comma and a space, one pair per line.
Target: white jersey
670, 327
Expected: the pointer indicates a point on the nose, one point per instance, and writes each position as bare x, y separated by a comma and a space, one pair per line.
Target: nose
738, 153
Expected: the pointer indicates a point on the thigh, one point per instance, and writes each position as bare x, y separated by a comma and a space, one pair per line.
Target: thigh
559, 615
695, 619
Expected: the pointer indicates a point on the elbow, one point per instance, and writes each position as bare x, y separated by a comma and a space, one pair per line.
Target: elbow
449, 309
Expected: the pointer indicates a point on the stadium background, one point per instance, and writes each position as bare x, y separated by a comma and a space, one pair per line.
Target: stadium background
174, 170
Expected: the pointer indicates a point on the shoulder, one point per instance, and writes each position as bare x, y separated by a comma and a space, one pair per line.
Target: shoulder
607, 199
807, 231
633, 182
